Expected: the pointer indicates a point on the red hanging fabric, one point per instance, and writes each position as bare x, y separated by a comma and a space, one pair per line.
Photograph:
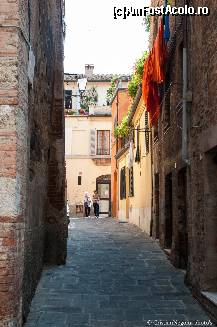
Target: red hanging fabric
153, 75
153, 105
159, 56
147, 73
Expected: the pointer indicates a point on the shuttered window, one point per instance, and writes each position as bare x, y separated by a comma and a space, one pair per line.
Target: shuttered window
123, 183
92, 142
103, 142
137, 157
131, 182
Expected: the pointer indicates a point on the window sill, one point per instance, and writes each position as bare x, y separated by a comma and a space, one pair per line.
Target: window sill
101, 156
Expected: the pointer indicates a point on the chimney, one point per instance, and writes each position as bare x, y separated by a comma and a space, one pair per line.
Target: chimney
89, 70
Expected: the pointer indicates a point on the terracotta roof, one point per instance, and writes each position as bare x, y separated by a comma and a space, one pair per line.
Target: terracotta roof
95, 77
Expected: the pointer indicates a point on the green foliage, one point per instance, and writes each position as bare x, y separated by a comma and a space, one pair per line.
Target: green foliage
89, 98
147, 23
122, 130
111, 89
133, 85
69, 112
140, 65
136, 78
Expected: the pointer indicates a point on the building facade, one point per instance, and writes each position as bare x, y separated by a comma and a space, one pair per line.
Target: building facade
33, 225
88, 138
88, 159
120, 106
96, 89
134, 169
185, 151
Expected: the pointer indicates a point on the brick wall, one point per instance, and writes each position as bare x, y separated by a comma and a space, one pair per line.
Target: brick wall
202, 273
33, 226
198, 206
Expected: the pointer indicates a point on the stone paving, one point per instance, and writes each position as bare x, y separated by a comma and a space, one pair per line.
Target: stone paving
115, 276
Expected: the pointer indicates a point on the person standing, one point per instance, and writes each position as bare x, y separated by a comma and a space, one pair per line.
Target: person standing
96, 200
87, 204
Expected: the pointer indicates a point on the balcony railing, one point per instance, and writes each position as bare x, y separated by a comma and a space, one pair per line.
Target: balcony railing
102, 151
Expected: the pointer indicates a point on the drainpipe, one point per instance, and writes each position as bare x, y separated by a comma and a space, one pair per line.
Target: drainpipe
184, 110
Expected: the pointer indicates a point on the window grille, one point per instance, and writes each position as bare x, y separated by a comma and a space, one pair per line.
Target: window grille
103, 142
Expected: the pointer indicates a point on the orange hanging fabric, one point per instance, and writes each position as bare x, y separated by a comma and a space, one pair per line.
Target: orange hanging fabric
147, 72
153, 105
153, 75
159, 56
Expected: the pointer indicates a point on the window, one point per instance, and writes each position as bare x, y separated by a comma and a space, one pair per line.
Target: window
137, 158
79, 180
68, 99
131, 182
103, 143
123, 183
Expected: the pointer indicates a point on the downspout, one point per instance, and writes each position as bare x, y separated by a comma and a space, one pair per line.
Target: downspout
184, 100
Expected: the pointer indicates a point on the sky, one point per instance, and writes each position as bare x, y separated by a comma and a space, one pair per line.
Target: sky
93, 36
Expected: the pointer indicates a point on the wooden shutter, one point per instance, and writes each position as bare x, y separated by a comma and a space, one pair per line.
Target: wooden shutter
122, 183
92, 142
137, 157
131, 182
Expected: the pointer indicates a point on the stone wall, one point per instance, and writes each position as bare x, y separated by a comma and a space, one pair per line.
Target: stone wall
193, 204
202, 270
32, 167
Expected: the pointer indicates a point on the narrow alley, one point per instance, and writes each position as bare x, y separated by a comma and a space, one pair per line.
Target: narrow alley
115, 275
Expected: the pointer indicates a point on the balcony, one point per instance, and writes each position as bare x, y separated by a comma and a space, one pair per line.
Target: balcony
100, 111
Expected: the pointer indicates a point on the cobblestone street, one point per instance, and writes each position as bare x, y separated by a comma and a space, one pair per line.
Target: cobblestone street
115, 276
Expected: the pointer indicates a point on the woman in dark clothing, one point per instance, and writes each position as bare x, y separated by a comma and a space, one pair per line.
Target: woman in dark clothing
96, 200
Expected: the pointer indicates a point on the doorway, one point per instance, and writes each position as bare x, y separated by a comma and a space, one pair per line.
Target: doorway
168, 212
103, 186
210, 218
156, 205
